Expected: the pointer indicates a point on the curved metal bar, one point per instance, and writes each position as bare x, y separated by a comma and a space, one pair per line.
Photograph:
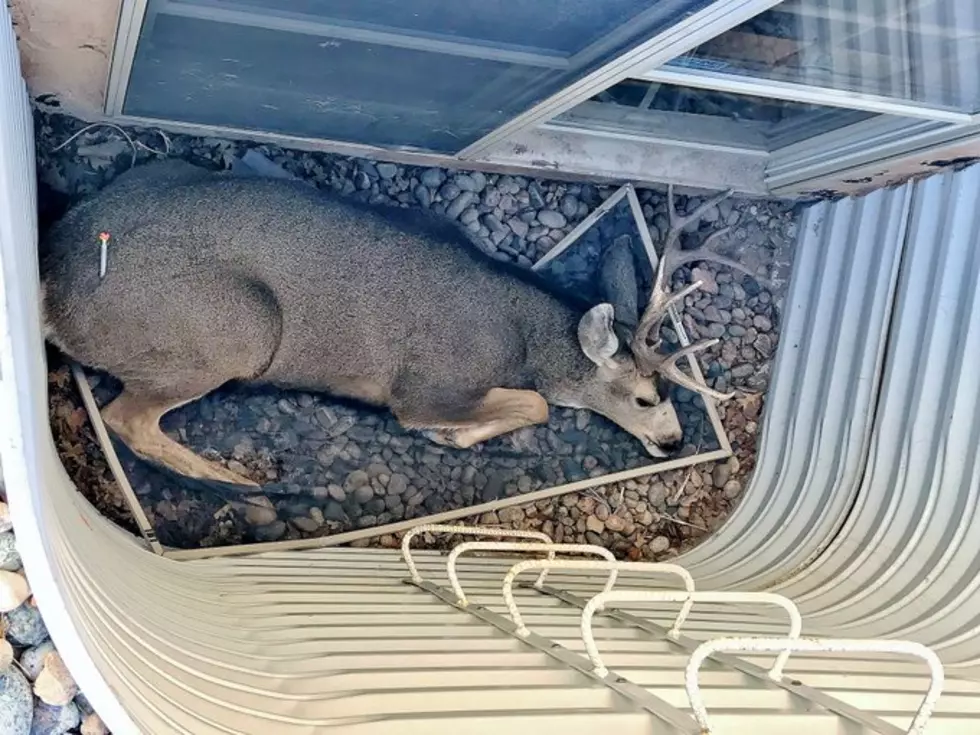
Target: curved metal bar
611, 566
598, 602
515, 546
815, 645
466, 530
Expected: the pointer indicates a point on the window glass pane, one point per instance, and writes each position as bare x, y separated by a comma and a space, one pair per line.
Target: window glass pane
556, 25
925, 51
379, 72
710, 116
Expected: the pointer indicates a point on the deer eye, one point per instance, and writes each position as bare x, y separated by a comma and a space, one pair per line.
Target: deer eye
644, 403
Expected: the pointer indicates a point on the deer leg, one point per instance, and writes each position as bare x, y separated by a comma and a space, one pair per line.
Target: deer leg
136, 419
500, 411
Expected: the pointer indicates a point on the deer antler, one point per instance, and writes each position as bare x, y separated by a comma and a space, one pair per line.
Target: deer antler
672, 257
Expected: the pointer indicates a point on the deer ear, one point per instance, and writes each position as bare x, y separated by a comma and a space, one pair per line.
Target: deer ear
596, 336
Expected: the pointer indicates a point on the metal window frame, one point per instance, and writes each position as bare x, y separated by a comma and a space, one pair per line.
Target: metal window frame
631, 123
678, 39
870, 155
554, 153
851, 159
794, 92
131, 16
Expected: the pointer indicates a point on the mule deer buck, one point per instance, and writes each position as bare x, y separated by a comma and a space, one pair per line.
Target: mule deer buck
212, 278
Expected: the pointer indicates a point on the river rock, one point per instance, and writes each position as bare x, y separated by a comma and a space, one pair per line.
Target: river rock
16, 703
9, 557
49, 720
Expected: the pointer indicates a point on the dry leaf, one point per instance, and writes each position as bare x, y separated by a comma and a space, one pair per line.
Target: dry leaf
750, 404
76, 419
14, 590
55, 685
93, 725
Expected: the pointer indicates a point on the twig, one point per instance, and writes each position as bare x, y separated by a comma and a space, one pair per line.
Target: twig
134, 143
680, 491
684, 523
595, 496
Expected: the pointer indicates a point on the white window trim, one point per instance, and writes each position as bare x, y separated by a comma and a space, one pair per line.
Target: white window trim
759, 87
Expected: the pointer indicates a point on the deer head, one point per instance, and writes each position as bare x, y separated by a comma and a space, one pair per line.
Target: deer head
628, 387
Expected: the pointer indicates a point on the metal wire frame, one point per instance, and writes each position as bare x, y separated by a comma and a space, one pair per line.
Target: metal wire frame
641, 698
550, 548
602, 599
759, 674
717, 649
611, 566
467, 530
785, 646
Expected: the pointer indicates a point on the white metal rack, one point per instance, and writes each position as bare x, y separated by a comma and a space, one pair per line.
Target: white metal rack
718, 650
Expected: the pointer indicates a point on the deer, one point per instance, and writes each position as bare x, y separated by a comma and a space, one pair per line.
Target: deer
210, 278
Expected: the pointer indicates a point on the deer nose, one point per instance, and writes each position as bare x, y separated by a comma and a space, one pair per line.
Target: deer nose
672, 446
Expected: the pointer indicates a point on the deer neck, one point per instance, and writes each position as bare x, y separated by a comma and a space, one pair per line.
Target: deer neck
555, 363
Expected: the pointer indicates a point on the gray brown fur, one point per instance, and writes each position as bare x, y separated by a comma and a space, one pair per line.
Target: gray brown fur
213, 278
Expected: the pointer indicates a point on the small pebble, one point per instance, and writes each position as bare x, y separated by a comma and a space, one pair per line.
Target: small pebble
423, 195
398, 484
615, 523
460, 203
355, 480
465, 183
720, 474
260, 511
551, 218
732, 489
518, 227
304, 524
433, 178
9, 557
387, 170
334, 511
14, 590
93, 725
270, 532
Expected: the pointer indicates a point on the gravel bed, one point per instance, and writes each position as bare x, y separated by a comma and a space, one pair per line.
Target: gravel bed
334, 466
37, 694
